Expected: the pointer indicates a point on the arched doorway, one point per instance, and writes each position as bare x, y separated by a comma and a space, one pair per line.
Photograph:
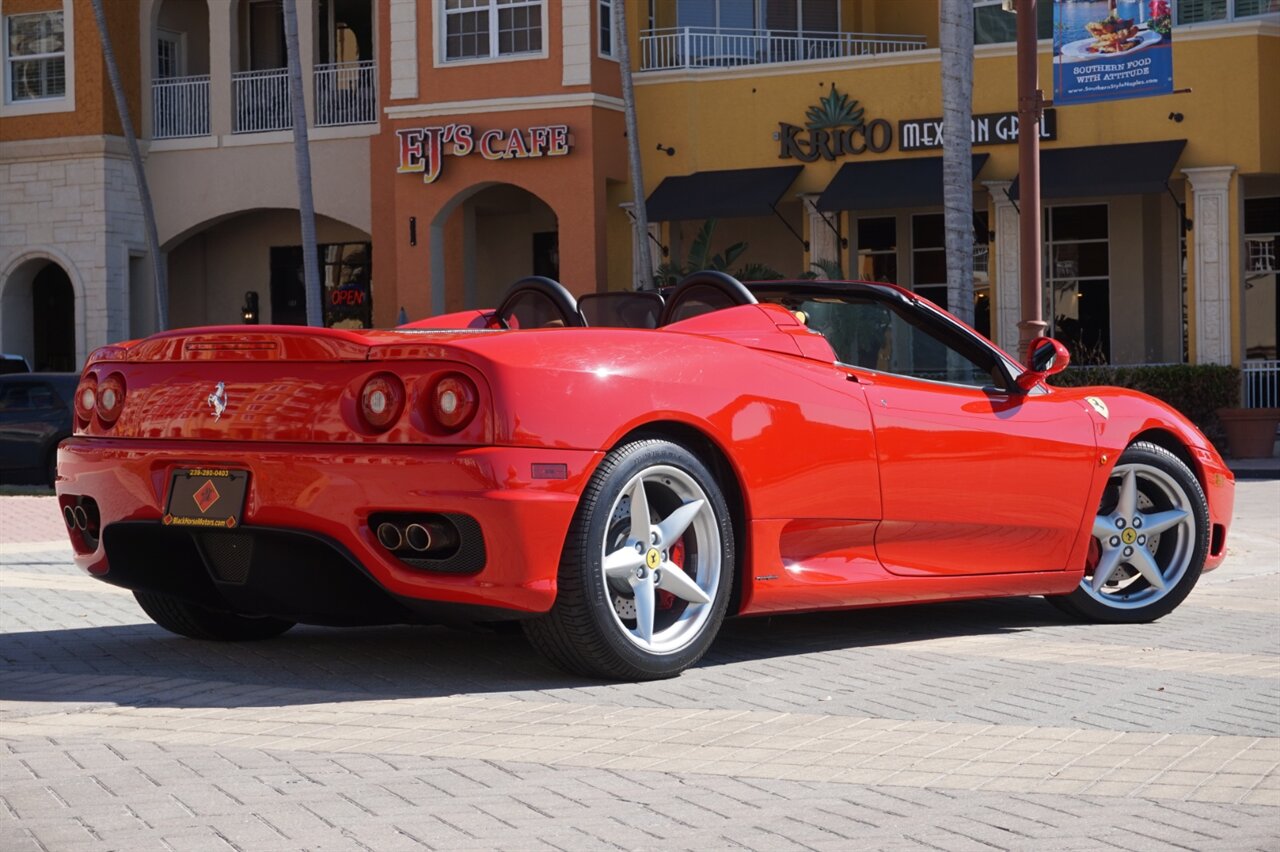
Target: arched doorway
214, 267
486, 239
39, 308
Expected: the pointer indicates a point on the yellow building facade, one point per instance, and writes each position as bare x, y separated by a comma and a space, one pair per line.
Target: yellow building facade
1126, 280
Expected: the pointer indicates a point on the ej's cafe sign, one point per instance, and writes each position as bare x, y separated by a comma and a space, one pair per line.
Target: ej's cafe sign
423, 149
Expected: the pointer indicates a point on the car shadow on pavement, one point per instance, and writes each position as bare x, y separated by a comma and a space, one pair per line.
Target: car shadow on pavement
141, 664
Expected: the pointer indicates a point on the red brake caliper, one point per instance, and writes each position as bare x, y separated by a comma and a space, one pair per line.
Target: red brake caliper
666, 600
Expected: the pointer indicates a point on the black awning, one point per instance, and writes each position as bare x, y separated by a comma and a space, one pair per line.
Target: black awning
879, 184
1133, 169
720, 194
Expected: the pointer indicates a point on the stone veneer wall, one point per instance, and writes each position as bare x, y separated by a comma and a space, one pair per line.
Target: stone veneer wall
73, 201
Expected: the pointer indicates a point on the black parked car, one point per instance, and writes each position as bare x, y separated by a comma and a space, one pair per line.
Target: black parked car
35, 414
13, 364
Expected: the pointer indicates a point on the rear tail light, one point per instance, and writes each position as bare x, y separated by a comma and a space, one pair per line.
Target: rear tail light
86, 398
110, 399
453, 402
381, 401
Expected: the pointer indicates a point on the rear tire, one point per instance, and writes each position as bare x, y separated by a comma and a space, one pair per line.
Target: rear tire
646, 571
197, 622
1150, 539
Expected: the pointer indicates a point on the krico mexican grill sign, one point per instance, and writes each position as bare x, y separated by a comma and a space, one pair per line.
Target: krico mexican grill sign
423, 149
836, 127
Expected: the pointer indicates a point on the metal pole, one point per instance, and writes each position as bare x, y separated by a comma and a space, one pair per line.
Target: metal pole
1030, 103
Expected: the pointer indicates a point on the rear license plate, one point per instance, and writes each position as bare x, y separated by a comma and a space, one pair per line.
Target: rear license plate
206, 497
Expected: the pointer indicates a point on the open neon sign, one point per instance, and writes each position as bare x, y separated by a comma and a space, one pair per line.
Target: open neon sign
423, 149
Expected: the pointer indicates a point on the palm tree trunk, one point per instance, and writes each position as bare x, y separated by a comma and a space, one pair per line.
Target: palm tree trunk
644, 275
302, 165
158, 272
955, 36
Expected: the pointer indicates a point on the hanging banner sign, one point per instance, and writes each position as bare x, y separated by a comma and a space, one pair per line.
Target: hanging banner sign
1111, 49
995, 128
423, 149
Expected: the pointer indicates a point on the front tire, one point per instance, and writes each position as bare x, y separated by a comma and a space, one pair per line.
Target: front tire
1150, 539
198, 622
647, 568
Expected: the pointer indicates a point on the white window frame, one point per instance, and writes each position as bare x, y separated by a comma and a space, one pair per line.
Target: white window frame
179, 41
1050, 275
1230, 17
756, 13
801, 28
610, 50
64, 103
442, 60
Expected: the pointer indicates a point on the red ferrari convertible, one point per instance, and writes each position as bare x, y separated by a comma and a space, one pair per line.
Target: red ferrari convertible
619, 473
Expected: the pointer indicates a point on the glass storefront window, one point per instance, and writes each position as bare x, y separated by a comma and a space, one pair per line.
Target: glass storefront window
1077, 280
878, 249
345, 277
929, 264
344, 274
1261, 308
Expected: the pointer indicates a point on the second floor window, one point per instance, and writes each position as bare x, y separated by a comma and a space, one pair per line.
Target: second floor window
36, 54
487, 29
993, 25
606, 27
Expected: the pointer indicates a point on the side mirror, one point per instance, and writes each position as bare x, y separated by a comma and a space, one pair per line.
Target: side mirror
1045, 357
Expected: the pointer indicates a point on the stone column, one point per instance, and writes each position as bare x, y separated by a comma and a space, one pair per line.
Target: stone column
824, 243
403, 40
1004, 266
1211, 278
578, 42
223, 48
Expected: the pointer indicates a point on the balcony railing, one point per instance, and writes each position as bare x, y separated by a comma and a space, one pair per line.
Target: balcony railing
346, 93
180, 107
703, 47
261, 101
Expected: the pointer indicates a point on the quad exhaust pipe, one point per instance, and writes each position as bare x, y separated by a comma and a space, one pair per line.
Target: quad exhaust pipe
75, 517
389, 536
418, 537
84, 524
428, 537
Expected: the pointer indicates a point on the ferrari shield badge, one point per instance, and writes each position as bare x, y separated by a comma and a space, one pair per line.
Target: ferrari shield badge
1098, 406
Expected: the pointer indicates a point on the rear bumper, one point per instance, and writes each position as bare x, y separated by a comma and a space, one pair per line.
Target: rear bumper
323, 499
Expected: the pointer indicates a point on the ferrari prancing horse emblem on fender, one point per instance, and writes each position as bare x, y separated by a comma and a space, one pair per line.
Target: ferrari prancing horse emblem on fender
1098, 406
218, 400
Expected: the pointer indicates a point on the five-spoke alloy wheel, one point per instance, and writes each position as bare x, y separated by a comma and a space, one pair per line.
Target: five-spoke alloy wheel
1150, 538
647, 568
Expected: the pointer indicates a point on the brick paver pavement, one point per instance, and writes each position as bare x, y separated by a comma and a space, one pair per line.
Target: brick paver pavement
960, 726
30, 521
